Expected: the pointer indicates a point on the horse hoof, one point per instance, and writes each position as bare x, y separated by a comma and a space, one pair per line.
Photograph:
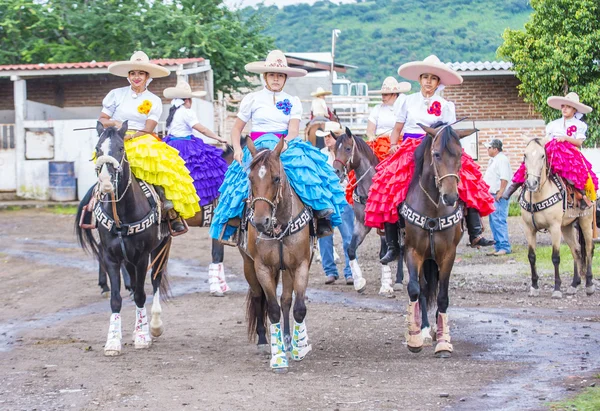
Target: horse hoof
142, 342
282, 370
415, 349
443, 354
105, 294
398, 287
360, 285
217, 294
556, 295
264, 349
157, 331
534, 292
571, 290
112, 353
386, 291
427, 341
590, 290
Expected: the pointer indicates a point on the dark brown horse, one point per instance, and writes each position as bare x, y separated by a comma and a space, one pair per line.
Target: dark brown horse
433, 217
278, 244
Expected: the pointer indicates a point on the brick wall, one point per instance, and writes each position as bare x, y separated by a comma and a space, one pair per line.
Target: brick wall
490, 98
514, 141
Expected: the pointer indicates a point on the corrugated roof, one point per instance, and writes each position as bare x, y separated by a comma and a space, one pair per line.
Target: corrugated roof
92, 64
481, 66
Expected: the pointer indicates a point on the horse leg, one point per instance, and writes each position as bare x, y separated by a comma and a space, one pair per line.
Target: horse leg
530, 234
102, 281
300, 345
358, 236
218, 253
142, 329
555, 233
286, 304
387, 284
569, 233
213, 273
426, 333
126, 279
400, 268
156, 323
414, 338
443, 348
586, 241
256, 304
113, 340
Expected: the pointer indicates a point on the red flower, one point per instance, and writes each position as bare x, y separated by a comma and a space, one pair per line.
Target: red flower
571, 130
435, 109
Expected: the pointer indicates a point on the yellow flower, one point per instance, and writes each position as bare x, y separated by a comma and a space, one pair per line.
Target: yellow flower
145, 107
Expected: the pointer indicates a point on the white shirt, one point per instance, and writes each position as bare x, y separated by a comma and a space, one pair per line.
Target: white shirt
414, 110
384, 116
319, 107
120, 105
498, 169
183, 122
560, 128
266, 117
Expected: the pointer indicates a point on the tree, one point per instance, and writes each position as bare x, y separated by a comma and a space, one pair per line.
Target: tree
556, 53
108, 30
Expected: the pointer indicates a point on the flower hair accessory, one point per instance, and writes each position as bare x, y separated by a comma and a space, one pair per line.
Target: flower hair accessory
145, 107
284, 106
571, 130
435, 109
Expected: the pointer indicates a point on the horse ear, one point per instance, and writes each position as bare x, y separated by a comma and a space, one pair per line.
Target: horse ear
123, 129
466, 132
348, 132
99, 128
427, 129
278, 148
251, 146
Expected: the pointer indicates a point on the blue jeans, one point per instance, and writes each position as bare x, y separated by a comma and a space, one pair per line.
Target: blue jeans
326, 245
499, 225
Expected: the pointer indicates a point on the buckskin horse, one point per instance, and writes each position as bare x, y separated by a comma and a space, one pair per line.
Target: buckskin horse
278, 244
128, 217
433, 217
542, 208
353, 153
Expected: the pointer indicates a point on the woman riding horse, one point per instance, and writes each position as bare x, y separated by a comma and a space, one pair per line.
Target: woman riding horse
390, 183
204, 161
276, 114
566, 136
150, 159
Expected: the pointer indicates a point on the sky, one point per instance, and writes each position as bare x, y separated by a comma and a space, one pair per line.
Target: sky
280, 3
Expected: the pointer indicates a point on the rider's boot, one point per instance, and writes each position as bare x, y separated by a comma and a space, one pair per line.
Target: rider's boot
475, 230
393, 246
324, 227
175, 221
510, 190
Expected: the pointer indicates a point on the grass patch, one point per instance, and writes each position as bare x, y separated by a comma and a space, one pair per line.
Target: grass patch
588, 400
514, 209
544, 257
63, 210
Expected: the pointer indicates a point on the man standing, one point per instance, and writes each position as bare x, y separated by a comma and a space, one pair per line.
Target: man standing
497, 176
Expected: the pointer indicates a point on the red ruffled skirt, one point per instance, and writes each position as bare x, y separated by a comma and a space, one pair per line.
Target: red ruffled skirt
390, 186
381, 148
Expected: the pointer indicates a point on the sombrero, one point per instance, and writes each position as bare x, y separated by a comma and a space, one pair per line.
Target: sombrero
275, 63
571, 99
182, 90
431, 65
138, 61
320, 92
391, 86
329, 127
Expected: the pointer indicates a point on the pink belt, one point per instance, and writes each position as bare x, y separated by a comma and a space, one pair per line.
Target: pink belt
255, 135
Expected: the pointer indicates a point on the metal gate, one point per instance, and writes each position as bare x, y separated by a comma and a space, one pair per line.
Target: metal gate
8, 158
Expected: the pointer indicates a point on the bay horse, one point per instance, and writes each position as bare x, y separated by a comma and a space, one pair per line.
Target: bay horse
278, 244
542, 208
318, 124
353, 153
128, 219
433, 215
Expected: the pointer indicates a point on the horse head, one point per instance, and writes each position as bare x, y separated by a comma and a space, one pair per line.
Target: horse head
346, 155
267, 180
535, 162
443, 151
110, 156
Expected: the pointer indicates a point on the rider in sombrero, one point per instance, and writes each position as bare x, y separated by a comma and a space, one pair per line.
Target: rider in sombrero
318, 107
566, 136
275, 114
150, 159
393, 176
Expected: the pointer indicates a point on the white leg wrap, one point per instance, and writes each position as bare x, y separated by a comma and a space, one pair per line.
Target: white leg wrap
359, 282
156, 324
213, 280
300, 345
387, 288
113, 340
426, 335
142, 331
336, 257
278, 355
222, 283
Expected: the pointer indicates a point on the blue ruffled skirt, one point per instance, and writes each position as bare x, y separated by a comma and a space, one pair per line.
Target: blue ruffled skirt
312, 178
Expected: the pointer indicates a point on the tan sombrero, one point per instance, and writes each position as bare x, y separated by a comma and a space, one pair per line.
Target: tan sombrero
182, 90
571, 99
320, 92
391, 86
275, 63
431, 65
328, 128
138, 61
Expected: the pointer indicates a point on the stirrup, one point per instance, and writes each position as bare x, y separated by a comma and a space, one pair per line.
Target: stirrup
177, 233
233, 242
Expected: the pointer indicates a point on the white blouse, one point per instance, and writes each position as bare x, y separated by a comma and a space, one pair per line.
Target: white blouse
183, 122
266, 117
417, 109
384, 116
319, 107
572, 127
120, 105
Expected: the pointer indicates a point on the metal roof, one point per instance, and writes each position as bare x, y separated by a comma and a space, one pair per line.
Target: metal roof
315, 62
482, 68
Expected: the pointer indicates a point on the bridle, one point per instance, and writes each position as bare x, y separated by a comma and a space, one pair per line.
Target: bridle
438, 179
350, 160
538, 177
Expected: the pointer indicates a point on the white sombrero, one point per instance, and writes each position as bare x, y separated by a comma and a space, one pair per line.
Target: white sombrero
431, 65
320, 92
571, 99
138, 61
391, 86
329, 127
275, 63
182, 90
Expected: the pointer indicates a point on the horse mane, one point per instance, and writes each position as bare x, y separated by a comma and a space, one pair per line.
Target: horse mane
446, 135
361, 145
260, 158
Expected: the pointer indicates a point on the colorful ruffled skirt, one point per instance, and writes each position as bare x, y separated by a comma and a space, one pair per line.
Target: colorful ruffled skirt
306, 167
157, 163
205, 164
381, 148
569, 163
393, 177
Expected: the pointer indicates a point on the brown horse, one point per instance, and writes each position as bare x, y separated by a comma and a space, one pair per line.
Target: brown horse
433, 215
310, 131
278, 243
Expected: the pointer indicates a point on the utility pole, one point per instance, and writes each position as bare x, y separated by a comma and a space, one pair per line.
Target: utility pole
334, 35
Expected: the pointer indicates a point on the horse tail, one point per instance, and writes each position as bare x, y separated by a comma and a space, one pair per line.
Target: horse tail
583, 248
432, 275
254, 306
84, 236
165, 283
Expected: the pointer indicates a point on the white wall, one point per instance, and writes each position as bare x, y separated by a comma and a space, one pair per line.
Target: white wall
7, 116
593, 155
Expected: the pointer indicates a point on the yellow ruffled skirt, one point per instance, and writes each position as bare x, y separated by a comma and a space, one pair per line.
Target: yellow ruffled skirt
157, 163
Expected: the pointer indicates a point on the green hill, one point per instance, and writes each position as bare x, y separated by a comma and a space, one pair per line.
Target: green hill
379, 35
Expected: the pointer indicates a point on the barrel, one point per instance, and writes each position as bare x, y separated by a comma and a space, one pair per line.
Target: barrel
63, 184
